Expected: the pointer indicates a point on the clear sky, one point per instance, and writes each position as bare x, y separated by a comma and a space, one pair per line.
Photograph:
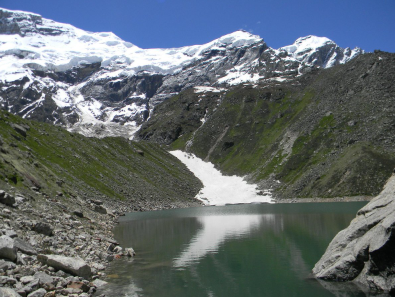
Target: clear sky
369, 24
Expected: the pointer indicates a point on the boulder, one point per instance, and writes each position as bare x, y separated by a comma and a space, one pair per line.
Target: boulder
7, 292
43, 228
129, 252
100, 209
21, 130
74, 266
6, 265
24, 247
38, 293
7, 248
6, 198
364, 251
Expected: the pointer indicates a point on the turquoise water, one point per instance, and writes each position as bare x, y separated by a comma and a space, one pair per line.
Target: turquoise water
239, 250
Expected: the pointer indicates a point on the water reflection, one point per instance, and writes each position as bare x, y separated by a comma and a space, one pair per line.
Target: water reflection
216, 230
245, 250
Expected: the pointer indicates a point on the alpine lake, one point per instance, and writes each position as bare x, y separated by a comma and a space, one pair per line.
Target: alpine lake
232, 250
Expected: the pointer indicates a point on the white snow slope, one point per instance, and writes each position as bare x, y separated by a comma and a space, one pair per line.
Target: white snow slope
219, 189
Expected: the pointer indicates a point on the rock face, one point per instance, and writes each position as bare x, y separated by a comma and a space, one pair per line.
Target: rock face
74, 266
364, 252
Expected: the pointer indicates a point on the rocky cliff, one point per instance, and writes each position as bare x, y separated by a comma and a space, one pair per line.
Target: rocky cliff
363, 253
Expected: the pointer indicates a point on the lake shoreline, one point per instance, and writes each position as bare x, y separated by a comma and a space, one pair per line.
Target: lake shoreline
322, 200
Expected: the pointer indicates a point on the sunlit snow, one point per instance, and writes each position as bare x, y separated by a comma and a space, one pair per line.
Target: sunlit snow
219, 189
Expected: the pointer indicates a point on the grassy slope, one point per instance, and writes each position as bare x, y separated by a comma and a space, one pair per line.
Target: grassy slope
56, 161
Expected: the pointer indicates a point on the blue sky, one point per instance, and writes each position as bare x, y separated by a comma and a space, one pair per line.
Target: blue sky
369, 24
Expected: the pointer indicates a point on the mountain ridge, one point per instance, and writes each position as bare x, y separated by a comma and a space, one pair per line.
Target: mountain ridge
110, 87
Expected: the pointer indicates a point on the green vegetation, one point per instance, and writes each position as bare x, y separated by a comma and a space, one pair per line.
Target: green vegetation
55, 161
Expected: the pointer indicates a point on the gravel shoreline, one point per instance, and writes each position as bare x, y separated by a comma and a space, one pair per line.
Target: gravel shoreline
58, 246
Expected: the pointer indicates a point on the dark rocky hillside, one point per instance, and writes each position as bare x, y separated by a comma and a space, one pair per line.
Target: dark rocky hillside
39, 160
328, 133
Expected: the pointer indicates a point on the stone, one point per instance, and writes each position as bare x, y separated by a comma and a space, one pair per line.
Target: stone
43, 228
7, 248
363, 252
26, 279
24, 247
6, 198
78, 285
21, 130
10, 233
7, 280
70, 265
99, 283
100, 209
6, 265
43, 277
129, 252
38, 293
7, 292
79, 214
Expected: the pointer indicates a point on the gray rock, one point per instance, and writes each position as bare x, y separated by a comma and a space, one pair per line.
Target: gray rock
70, 265
43, 228
18, 128
43, 278
10, 233
6, 198
24, 247
99, 283
100, 209
364, 251
26, 279
129, 252
7, 292
6, 265
38, 293
7, 248
7, 280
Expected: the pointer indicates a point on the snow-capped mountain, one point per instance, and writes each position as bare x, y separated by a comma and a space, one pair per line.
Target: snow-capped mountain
98, 84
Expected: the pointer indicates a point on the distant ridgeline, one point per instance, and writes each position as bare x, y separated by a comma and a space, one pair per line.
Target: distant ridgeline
328, 133
307, 120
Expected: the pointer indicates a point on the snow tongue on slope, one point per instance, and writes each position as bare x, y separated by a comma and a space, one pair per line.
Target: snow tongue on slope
219, 189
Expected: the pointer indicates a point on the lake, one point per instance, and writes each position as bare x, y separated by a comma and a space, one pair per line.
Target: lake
235, 250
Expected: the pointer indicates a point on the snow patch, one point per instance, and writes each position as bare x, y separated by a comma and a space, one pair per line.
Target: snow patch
217, 188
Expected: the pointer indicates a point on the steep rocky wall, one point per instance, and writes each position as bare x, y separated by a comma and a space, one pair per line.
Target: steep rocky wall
364, 252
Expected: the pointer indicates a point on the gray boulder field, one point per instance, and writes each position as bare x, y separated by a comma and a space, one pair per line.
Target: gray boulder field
364, 252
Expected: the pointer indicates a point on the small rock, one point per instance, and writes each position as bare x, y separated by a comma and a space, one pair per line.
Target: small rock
24, 247
129, 252
7, 292
38, 293
10, 233
99, 283
21, 130
43, 228
100, 209
7, 248
6, 198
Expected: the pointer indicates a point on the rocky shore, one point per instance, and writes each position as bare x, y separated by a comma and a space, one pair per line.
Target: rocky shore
52, 246
362, 255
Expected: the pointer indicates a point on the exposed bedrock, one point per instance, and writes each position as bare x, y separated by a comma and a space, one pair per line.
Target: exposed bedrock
364, 252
